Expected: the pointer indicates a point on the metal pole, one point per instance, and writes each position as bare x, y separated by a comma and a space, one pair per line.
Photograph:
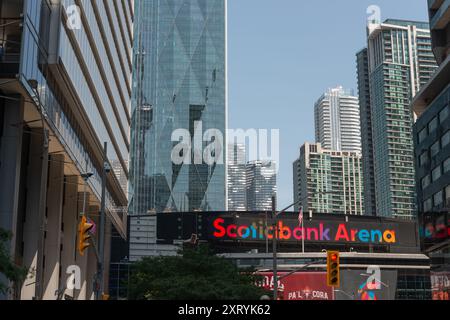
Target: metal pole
274, 243
303, 232
85, 178
102, 224
267, 238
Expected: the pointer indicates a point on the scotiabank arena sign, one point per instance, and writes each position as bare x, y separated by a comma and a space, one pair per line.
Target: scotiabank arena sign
322, 232
249, 227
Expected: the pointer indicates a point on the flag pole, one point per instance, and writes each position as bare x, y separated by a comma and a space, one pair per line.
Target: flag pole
303, 232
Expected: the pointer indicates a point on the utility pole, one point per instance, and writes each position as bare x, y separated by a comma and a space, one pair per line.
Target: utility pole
274, 251
100, 266
275, 215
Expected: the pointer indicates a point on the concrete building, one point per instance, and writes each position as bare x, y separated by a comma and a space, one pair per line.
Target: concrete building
327, 181
337, 123
121, 174
400, 62
432, 141
180, 93
261, 185
65, 89
237, 178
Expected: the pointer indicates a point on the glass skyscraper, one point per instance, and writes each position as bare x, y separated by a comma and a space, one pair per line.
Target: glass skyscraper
362, 62
400, 61
179, 83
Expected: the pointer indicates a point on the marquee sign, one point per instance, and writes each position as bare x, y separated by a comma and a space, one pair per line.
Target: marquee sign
319, 231
249, 227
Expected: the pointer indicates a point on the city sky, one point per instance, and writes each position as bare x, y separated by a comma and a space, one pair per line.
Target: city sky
283, 54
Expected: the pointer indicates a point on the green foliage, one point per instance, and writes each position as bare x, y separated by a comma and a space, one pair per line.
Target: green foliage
7, 266
196, 274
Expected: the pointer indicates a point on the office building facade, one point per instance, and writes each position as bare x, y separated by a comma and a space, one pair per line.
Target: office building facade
337, 122
400, 62
237, 178
261, 185
432, 151
431, 131
327, 181
65, 90
179, 99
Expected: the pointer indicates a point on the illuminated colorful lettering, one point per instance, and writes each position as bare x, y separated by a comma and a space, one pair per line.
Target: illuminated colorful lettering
257, 231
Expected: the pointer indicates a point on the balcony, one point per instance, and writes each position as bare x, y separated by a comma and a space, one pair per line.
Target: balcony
10, 45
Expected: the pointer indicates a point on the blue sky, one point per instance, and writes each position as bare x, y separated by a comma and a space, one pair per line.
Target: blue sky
283, 54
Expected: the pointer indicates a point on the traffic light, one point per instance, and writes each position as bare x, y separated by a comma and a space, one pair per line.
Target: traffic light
333, 278
83, 235
105, 297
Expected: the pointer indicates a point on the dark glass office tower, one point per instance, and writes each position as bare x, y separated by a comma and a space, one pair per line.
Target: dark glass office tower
179, 83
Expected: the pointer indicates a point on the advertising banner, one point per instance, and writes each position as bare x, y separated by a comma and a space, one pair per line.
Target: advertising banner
435, 228
369, 284
300, 286
440, 285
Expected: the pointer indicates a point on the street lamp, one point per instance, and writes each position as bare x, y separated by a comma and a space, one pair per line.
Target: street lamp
100, 269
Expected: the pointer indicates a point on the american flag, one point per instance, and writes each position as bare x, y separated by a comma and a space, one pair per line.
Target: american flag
94, 226
300, 217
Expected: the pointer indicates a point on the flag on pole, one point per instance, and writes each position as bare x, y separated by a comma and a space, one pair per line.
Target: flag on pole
300, 217
94, 226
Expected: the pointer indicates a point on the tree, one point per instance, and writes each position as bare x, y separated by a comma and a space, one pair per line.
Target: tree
8, 268
196, 274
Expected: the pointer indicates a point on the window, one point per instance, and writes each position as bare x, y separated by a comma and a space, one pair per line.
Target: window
445, 139
423, 134
424, 158
438, 199
433, 125
436, 173
447, 195
427, 205
426, 182
443, 115
447, 165
434, 150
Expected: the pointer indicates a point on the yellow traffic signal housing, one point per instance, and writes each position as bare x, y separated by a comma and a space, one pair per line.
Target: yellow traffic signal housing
333, 276
83, 235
